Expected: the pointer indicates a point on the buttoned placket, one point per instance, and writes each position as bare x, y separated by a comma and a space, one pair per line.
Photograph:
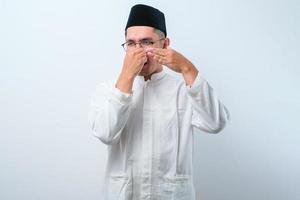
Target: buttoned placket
147, 153
146, 178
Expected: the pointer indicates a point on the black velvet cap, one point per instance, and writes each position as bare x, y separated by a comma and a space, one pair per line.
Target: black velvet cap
144, 15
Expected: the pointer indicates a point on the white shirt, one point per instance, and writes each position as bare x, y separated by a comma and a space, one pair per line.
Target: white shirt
149, 135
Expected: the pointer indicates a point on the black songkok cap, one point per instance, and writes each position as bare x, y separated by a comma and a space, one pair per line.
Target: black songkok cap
143, 15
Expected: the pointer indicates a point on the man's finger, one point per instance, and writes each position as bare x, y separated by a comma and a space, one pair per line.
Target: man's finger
159, 59
159, 51
156, 51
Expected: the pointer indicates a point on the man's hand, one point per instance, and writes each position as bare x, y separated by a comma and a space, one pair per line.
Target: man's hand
133, 63
175, 61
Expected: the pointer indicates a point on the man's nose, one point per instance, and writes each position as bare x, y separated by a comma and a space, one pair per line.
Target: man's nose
140, 45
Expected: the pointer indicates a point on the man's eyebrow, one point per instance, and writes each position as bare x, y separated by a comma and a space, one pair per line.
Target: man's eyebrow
146, 38
129, 40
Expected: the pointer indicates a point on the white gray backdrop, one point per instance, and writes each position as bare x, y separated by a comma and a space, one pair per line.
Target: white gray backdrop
53, 53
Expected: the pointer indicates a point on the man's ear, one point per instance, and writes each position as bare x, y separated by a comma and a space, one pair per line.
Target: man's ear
166, 43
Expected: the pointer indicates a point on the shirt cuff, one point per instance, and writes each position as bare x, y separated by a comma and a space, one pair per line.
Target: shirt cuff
122, 97
195, 89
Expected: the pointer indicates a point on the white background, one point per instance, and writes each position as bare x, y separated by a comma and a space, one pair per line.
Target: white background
53, 53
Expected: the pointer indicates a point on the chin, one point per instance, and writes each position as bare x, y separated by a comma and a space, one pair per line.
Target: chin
144, 73
146, 70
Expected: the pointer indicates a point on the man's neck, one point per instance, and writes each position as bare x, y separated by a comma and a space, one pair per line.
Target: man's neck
148, 77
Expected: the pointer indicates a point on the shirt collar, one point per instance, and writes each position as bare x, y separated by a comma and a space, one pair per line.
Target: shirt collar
154, 77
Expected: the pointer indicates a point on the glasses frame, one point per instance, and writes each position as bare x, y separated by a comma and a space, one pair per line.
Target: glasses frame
140, 43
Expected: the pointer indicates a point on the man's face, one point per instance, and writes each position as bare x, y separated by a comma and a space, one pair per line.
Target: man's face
139, 33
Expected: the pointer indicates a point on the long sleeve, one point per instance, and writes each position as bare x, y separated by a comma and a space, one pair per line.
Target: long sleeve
208, 113
109, 112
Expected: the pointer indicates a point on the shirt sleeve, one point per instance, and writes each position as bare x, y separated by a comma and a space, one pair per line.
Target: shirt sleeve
208, 113
109, 112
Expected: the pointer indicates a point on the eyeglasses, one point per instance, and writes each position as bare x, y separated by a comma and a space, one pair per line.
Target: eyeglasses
143, 43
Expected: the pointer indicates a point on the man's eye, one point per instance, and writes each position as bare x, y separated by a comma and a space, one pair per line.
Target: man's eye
147, 42
130, 44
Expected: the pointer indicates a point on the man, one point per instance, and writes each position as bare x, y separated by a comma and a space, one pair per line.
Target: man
147, 117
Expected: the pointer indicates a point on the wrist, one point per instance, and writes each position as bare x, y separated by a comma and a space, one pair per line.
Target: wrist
189, 73
125, 82
187, 68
